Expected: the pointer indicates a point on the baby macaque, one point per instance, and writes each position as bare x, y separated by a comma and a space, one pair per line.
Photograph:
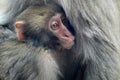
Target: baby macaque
44, 38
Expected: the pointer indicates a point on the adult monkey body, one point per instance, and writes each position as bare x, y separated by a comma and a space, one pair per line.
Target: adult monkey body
96, 23
40, 53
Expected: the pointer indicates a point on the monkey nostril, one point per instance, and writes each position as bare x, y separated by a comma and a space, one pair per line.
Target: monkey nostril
66, 35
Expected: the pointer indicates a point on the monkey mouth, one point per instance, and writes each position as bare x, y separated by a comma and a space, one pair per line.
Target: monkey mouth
67, 43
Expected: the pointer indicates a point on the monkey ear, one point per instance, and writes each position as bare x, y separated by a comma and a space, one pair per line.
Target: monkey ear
20, 30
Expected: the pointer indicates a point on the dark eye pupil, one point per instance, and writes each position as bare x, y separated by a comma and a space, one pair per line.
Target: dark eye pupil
55, 25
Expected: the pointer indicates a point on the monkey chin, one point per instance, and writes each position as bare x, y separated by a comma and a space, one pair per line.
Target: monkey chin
68, 44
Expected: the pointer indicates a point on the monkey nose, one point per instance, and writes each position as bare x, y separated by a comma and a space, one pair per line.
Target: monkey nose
67, 40
69, 37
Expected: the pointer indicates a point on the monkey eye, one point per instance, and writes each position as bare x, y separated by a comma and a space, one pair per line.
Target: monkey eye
54, 25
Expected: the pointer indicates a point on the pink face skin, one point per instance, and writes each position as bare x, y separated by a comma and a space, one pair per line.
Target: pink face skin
59, 30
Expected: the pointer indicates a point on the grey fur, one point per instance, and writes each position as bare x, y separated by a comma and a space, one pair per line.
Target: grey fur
22, 62
6, 34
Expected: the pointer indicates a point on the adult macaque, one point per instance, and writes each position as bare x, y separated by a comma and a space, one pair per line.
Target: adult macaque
44, 40
97, 46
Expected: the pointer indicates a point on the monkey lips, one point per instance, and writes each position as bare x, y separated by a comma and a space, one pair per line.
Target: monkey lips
67, 41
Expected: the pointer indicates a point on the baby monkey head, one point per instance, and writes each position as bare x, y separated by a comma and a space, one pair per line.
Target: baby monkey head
45, 25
